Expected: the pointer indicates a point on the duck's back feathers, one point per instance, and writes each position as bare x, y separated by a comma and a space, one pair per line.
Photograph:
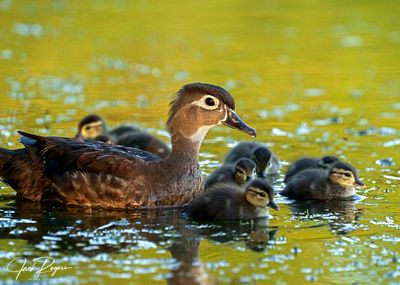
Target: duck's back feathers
224, 174
309, 184
121, 130
225, 202
299, 165
243, 149
144, 141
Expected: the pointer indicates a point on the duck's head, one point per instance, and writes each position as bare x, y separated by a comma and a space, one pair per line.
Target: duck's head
91, 127
260, 194
198, 107
345, 175
244, 170
326, 161
262, 157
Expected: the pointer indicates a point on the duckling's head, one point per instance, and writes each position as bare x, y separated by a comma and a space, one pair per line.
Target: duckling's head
262, 157
260, 194
198, 107
244, 170
345, 175
326, 161
90, 127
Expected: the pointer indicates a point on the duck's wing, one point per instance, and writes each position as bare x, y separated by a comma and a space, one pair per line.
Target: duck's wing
57, 155
19, 171
90, 173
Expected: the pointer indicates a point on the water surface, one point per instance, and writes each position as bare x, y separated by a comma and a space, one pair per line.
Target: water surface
314, 78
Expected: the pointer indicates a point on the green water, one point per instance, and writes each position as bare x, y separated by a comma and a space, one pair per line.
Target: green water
313, 77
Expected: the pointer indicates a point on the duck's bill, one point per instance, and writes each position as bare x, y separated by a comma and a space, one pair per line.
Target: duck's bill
233, 121
272, 205
358, 182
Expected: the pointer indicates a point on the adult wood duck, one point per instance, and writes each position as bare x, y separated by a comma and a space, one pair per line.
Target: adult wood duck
309, 162
94, 127
71, 172
318, 184
266, 161
230, 202
240, 172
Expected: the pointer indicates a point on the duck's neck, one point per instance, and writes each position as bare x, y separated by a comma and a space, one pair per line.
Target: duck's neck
184, 150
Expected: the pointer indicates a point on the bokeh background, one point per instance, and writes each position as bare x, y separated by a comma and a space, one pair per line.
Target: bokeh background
313, 77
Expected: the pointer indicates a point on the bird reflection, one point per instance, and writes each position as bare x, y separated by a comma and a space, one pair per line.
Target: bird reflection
342, 216
89, 232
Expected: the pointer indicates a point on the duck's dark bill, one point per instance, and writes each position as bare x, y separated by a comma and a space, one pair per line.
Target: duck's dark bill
232, 120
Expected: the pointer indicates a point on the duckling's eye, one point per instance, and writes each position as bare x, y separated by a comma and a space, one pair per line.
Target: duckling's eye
210, 102
262, 194
347, 174
88, 128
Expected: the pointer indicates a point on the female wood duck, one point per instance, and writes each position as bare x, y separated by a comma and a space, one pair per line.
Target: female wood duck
70, 172
230, 202
266, 161
240, 172
309, 162
94, 127
318, 184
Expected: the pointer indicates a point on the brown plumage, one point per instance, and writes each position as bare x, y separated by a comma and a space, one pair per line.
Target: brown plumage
97, 174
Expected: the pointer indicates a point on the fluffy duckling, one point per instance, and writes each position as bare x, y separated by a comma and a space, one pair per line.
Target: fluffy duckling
90, 127
266, 161
144, 141
121, 130
230, 202
319, 184
240, 172
94, 127
309, 162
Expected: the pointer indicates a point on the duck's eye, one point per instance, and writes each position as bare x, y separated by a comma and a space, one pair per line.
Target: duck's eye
210, 102
347, 174
262, 194
88, 128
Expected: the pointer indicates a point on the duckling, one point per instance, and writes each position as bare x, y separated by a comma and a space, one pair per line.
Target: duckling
90, 127
94, 127
266, 161
318, 184
121, 130
309, 162
104, 138
95, 174
230, 202
241, 172
144, 141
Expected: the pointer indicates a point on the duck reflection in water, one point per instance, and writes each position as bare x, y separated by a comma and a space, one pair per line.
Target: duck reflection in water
74, 232
342, 215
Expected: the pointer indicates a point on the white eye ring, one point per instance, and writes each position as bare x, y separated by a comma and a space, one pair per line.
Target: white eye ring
209, 102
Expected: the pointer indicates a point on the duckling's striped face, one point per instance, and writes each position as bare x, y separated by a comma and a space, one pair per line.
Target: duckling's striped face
343, 177
245, 170
257, 197
92, 130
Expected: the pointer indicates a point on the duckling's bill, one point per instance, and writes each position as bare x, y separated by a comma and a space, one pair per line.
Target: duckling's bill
272, 205
232, 120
